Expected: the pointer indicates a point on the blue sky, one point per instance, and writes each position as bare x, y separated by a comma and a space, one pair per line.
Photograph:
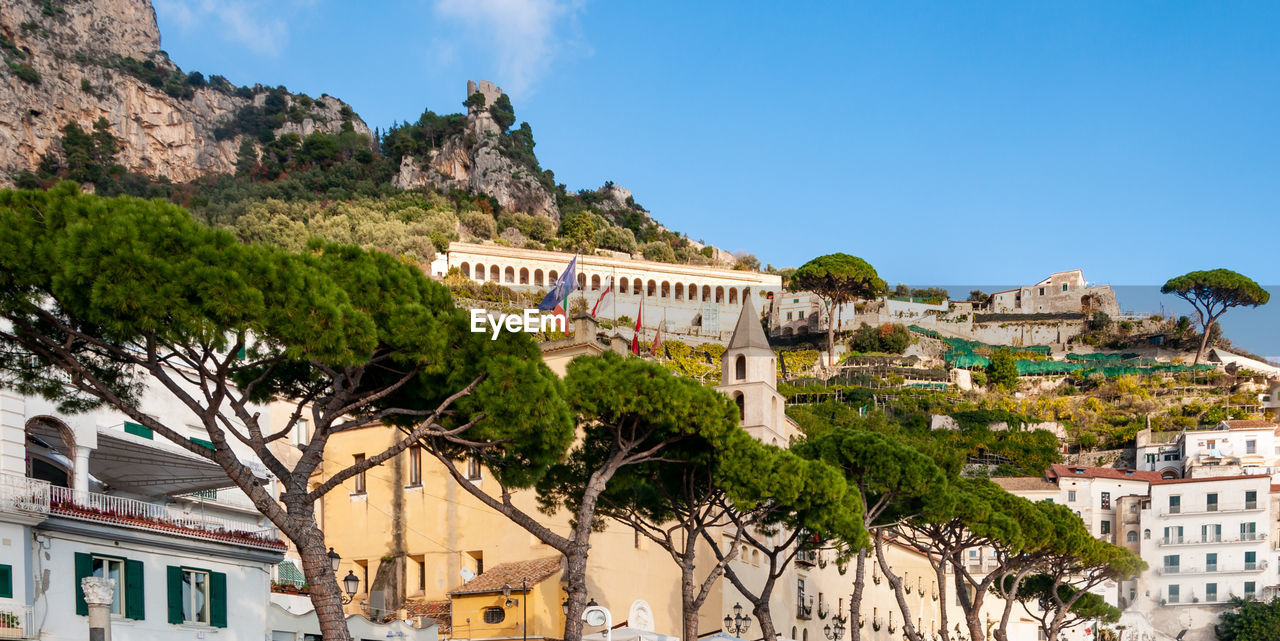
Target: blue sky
949, 143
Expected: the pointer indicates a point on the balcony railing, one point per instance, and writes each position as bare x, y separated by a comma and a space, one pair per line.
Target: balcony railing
23, 495
116, 510
1246, 538
1217, 569
16, 621
1218, 510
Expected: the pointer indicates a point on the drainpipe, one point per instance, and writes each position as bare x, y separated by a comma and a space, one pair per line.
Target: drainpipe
97, 594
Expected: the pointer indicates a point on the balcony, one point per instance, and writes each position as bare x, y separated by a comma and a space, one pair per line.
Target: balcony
804, 612
1218, 569
16, 621
152, 517
21, 495
1248, 538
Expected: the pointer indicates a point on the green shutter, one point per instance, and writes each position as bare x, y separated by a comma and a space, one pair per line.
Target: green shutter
137, 430
218, 599
175, 594
135, 600
201, 442
6, 581
84, 568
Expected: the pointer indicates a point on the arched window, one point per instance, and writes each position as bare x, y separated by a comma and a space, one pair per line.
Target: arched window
637, 287
679, 291
622, 286
552, 277
595, 283
805, 633
793, 633
666, 289
1146, 534
537, 278
719, 294
511, 275
706, 293
479, 271
740, 367
742, 405
653, 288
1131, 537
773, 407
524, 275
494, 274
733, 295
582, 280
466, 269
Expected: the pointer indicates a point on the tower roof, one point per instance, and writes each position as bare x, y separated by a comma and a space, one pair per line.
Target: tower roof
748, 334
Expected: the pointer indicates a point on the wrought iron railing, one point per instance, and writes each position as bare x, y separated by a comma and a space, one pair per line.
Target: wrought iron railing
16, 621
22, 494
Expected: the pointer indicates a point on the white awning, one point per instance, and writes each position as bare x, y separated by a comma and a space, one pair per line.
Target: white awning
156, 468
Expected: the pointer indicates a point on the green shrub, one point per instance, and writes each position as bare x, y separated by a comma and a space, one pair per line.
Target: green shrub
25, 72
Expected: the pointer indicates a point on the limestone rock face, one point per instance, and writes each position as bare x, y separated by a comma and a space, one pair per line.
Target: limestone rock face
474, 162
73, 52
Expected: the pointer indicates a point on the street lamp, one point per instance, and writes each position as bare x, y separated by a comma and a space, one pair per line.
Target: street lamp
834, 634
334, 559
350, 583
524, 610
739, 623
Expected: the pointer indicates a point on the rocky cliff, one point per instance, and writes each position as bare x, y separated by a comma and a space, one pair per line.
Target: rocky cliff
479, 159
79, 60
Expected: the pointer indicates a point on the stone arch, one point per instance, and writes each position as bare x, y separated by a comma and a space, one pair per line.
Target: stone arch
740, 367
595, 282
733, 295
552, 277
787, 331
479, 271
742, 405
495, 274
622, 285
720, 294
466, 270
60, 440
538, 280
582, 280
1168, 474
706, 293
666, 289
524, 275
692, 294
1131, 536
653, 288
510, 274
679, 291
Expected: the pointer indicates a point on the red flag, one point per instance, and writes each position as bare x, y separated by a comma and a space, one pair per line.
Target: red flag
604, 293
657, 342
635, 338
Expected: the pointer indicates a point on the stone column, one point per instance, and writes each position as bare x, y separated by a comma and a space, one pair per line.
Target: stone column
98, 594
80, 475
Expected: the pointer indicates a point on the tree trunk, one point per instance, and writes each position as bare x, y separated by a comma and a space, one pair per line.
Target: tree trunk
831, 337
326, 596
767, 633
575, 574
855, 600
969, 606
1204, 340
940, 575
1002, 631
908, 629
688, 609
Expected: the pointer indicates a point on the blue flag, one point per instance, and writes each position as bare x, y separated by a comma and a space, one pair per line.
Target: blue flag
559, 294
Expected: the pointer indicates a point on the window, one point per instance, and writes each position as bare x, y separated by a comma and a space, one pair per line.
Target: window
1173, 594
1131, 536
1211, 592
1248, 531
360, 487
473, 469
801, 314
1175, 504
1250, 560
789, 315
1146, 534
415, 466
740, 367
421, 562
1251, 500
1064, 287
6, 581
1173, 534
494, 615
1106, 527
1211, 562
127, 601
1250, 447
1151, 459
300, 429
1250, 590
1211, 533
1170, 456
1211, 503
1042, 291
1071, 495
1171, 564
1106, 500
197, 597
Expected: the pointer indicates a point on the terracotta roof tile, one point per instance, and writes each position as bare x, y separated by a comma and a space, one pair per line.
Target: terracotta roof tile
1208, 479
1249, 424
439, 611
1025, 484
1083, 472
492, 579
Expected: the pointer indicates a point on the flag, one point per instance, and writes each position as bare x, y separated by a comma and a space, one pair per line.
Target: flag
635, 338
557, 300
657, 342
604, 293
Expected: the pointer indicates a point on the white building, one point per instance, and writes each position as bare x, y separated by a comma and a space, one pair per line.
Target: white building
1227, 449
1060, 292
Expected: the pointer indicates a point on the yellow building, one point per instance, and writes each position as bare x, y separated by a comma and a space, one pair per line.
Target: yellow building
427, 547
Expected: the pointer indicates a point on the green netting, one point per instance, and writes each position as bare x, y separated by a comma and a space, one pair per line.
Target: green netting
1101, 357
1125, 370
1041, 368
965, 359
927, 332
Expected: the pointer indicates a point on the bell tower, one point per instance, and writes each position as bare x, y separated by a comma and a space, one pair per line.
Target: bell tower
749, 375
